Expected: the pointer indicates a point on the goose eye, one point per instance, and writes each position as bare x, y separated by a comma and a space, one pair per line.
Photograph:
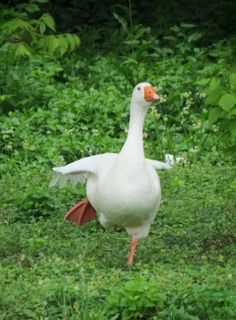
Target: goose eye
138, 88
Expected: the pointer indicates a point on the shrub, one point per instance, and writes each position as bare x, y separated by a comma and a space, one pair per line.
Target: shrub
192, 297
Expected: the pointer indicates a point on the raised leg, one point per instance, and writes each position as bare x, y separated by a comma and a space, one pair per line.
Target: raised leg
133, 245
81, 213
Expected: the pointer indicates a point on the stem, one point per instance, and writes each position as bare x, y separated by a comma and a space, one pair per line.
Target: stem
131, 24
130, 17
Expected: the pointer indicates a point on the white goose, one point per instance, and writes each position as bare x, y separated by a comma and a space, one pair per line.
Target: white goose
123, 189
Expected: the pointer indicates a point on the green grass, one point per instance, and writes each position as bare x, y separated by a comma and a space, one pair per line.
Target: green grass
55, 110
52, 270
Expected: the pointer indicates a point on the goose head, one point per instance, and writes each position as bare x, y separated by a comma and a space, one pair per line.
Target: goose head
144, 94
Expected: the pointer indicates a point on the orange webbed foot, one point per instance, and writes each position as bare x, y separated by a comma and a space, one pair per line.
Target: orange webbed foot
81, 213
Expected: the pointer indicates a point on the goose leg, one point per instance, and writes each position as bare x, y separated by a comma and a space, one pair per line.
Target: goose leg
81, 213
133, 245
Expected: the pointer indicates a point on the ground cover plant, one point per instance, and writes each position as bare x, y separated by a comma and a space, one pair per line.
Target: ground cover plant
62, 99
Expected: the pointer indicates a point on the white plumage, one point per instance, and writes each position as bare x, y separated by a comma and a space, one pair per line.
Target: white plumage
123, 188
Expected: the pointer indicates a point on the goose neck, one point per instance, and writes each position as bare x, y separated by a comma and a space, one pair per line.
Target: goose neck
133, 146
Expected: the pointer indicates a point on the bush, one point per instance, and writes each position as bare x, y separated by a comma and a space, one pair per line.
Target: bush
192, 297
30, 50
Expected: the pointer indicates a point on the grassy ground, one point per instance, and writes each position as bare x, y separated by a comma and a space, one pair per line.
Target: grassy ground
52, 270
56, 108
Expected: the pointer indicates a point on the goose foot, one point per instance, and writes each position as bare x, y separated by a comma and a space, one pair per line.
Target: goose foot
133, 245
81, 213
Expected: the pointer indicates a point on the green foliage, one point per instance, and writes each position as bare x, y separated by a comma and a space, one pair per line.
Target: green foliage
26, 37
29, 85
185, 269
59, 105
221, 97
138, 299
30, 51
206, 298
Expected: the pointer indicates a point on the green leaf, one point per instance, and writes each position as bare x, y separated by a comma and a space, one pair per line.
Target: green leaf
48, 20
22, 50
70, 40
73, 41
31, 7
214, 115
214, 92
49, 43
214, 84
233, 184
195, 36
203, 82
232, 78
227, 101
17, 24
132, 42
42, 27
76, 39
233, 112
30, 313
4, 97
122, 22
232, 128
175, 29
214, 96
171, 38
52, 44
60, 43
187, 25
64, 44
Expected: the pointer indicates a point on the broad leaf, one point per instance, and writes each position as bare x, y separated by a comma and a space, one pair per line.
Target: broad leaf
214, 84
213, 96
227, 101
203, 82
70, 40
48, 20
214, 92
22, 50
52, 44
233, 112
232, 78
214, 115
64, 44
17, 24
73, 40
31, 7
232, 128
42, 27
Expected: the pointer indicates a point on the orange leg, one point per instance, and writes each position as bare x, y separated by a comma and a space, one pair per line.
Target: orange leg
133, 246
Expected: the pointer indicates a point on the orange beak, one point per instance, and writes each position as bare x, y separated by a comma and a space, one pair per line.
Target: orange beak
150, 94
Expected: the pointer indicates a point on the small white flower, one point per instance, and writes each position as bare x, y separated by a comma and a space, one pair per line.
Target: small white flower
165, 118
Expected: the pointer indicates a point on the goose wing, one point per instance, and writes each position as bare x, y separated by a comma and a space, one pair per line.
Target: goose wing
79, 171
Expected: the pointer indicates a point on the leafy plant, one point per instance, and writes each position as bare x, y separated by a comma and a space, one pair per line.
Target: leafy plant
138, 299
221, 97
25, 37
204, 298
32, 44
59, 104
